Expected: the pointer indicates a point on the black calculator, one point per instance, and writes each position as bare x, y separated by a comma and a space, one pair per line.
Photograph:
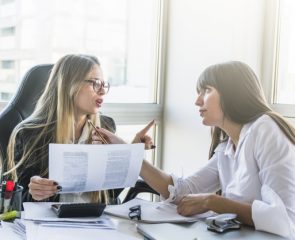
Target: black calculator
68, 210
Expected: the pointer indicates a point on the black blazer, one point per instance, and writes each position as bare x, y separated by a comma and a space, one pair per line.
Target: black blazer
27, 170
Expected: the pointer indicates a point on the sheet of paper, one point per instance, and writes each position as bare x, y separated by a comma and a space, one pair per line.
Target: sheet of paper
87, 167
37, 231
153, 212
9, 230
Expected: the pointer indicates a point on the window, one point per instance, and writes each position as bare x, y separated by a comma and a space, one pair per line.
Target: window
7, 31
127, 36
279, 56
7, 64
5, 96
6, 1
285, 85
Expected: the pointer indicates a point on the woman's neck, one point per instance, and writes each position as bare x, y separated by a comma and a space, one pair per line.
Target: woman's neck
233, 130
79, 124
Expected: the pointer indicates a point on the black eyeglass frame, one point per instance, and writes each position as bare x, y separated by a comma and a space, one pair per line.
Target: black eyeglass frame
98, 85
135, 212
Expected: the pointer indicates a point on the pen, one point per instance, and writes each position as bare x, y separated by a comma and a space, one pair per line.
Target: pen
95, 128
8, 195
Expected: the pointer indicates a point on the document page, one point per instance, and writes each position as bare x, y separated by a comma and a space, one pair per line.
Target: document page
153, 212
91, 167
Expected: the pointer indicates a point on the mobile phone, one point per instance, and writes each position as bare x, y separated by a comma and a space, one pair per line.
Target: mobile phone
68, 210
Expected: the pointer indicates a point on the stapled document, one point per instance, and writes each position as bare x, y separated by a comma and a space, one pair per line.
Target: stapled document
87, 167
153, 212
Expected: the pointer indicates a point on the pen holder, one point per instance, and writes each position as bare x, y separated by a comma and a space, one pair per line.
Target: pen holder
10, 203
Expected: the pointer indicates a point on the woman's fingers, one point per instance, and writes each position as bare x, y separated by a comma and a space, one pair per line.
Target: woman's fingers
42, 181
192, 204
141, 136
107, 135
146, 128
42, 188
148, 142
96, 139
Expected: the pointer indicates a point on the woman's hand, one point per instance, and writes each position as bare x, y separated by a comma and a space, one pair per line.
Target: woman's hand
193, 204
42, 188
107, 135
141, 137
110, 137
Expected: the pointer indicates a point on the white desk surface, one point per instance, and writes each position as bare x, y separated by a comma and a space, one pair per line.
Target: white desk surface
194, 231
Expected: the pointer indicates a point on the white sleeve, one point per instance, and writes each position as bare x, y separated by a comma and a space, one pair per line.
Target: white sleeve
270, 214
275, 156
203, 181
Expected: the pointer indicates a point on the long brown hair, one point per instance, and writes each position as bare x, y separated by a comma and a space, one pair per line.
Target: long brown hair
241, 98
53, 116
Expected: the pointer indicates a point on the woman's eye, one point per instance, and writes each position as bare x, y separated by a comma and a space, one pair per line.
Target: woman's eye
207, 90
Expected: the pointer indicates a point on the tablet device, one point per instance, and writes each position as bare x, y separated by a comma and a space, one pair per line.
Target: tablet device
68, 210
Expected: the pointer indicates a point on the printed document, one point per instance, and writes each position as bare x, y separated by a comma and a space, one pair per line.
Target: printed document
154, 212
87, 167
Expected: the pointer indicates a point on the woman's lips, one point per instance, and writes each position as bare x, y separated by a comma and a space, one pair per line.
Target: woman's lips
99, 102
202, 112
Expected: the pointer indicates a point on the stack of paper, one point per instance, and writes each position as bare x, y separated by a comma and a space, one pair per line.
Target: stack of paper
15, 231
154, 212
42, 214
42, 223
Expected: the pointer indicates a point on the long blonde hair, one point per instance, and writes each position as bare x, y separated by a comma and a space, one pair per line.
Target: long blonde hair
53, 117
241, 98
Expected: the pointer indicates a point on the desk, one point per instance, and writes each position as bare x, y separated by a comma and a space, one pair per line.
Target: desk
191, 231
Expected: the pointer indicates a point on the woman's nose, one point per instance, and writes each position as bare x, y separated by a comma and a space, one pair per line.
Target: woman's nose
101, 91
199, 101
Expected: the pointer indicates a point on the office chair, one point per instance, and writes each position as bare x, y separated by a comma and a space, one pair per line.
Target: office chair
22, 105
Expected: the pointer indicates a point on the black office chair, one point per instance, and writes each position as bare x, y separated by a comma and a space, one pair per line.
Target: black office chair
22, 105
23, 102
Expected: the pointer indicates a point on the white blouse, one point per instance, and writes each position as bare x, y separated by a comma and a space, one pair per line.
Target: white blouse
260, 172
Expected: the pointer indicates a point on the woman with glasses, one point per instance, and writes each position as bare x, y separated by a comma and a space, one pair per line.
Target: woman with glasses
73, 95
252, 155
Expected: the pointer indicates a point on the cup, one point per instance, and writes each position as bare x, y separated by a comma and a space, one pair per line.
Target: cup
10, 203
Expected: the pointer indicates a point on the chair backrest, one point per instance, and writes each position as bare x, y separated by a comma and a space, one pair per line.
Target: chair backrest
23, 103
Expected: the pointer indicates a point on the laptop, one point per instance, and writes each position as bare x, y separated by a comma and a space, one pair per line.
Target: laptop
164, 231
197, 231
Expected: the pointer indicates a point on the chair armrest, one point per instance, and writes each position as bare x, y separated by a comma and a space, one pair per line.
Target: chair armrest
140, 187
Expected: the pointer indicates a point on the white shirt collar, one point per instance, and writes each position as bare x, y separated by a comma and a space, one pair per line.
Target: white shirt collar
86, 130
229, 149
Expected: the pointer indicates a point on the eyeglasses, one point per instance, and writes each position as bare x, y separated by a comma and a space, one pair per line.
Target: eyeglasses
135, 212
98, 85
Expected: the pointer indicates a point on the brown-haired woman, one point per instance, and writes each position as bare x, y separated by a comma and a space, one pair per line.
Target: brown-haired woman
252, 155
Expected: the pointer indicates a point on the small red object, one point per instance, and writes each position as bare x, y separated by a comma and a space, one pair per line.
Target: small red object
9, 186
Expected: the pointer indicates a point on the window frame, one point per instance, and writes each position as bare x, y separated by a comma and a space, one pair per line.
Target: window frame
270, 58
142, 113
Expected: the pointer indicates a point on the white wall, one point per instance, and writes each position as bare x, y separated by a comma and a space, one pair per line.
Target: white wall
201, 33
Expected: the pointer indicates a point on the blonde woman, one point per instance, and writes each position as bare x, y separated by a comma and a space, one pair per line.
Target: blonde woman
74, 93
252, 155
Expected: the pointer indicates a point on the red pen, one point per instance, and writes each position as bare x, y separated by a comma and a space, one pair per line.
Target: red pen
8, 194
